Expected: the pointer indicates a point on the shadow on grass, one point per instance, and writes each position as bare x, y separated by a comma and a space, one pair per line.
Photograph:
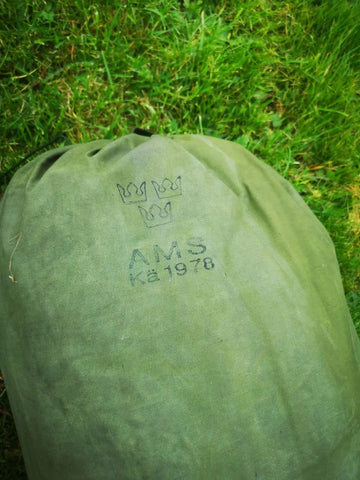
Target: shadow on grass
11, 460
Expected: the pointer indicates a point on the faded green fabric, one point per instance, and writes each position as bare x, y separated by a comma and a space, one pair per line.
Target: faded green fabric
171, 309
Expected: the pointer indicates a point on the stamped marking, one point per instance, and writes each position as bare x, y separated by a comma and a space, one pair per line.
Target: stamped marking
158, 264
132, 194
156, 215
160, 211
167, 188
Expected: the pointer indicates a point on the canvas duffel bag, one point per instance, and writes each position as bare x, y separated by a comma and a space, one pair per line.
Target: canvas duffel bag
172, 309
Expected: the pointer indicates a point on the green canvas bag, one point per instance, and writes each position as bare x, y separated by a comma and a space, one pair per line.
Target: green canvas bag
171, 309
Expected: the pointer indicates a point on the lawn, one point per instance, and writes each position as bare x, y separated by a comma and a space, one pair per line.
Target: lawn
280, 78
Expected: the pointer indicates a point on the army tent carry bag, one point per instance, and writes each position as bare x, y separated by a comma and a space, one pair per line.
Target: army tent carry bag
171, 309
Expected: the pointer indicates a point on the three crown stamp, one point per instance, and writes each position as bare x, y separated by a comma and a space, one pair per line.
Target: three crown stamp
159, 213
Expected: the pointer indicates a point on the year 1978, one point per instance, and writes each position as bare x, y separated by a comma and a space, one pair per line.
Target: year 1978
194, 265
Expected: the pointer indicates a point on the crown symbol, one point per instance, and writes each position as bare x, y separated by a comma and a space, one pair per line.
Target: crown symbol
132, 193
156, 215
168, 188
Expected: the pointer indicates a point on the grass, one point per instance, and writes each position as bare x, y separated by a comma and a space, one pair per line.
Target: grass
280, 78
